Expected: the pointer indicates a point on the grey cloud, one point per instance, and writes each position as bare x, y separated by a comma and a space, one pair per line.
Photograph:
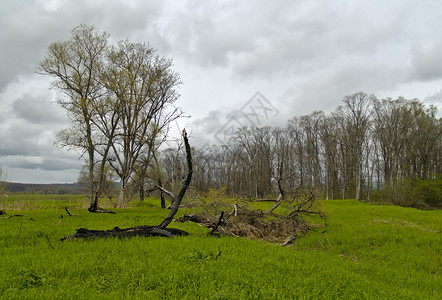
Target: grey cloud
22, 138
35, 108
282, 38
219, 126
325, 90
426, 61
26, 30
49, 161
436, 100
42, 176
50, 167
28, 27
203, 130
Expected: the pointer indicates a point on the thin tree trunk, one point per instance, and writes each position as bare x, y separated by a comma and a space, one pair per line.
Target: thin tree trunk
93, 197
141, 192
358, 182
163, 200
122, 195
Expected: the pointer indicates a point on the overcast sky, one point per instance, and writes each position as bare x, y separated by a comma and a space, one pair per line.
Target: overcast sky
300, 55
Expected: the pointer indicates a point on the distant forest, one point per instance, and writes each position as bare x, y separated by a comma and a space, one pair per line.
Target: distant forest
48, 189
365, 149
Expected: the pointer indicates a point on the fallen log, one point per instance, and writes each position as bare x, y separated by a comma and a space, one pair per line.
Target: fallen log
11, 216
193, 218
100, 210
262, 200
142, 230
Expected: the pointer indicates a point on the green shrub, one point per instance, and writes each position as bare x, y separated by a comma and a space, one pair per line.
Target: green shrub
413, 192
431, 191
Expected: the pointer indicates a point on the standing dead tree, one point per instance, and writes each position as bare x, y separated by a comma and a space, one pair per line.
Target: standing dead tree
145, 230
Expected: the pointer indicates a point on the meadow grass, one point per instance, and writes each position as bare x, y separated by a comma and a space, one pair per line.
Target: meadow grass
20, 201
365, 252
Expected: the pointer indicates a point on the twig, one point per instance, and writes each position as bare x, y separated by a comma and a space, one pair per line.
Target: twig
8, 217
290, 240
49, 242
379, 259
66, 208
277, 203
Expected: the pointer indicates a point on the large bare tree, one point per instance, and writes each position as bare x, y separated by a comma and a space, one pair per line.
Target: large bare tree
119, 99
144, 87
76, 64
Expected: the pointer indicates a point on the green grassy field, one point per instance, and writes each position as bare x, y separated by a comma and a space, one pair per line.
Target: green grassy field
365, 252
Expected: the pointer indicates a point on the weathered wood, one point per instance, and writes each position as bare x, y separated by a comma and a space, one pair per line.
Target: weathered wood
217, 224
177, 200
192, 218
277, 203
262, 200
103, 211
290, 240
11, 216
66, 208
143, 230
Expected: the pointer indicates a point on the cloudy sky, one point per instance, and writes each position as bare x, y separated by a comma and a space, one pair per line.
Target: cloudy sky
300, 55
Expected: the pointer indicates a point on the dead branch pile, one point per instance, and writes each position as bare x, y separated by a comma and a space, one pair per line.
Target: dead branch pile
251, 223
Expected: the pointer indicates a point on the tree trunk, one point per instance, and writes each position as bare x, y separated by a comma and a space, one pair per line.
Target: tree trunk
141, 192
358, 182
93, 197
122, 197
163, 200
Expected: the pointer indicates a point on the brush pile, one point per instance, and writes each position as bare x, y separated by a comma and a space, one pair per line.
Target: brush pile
283, 223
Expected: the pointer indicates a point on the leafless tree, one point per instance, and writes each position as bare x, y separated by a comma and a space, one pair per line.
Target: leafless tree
76, 64
119, 99
354, 119
144, 86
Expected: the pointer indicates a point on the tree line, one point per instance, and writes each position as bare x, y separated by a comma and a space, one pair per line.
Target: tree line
366, 148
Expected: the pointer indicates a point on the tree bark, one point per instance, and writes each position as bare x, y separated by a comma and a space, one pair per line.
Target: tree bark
163, 200
143, 230
141, 191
